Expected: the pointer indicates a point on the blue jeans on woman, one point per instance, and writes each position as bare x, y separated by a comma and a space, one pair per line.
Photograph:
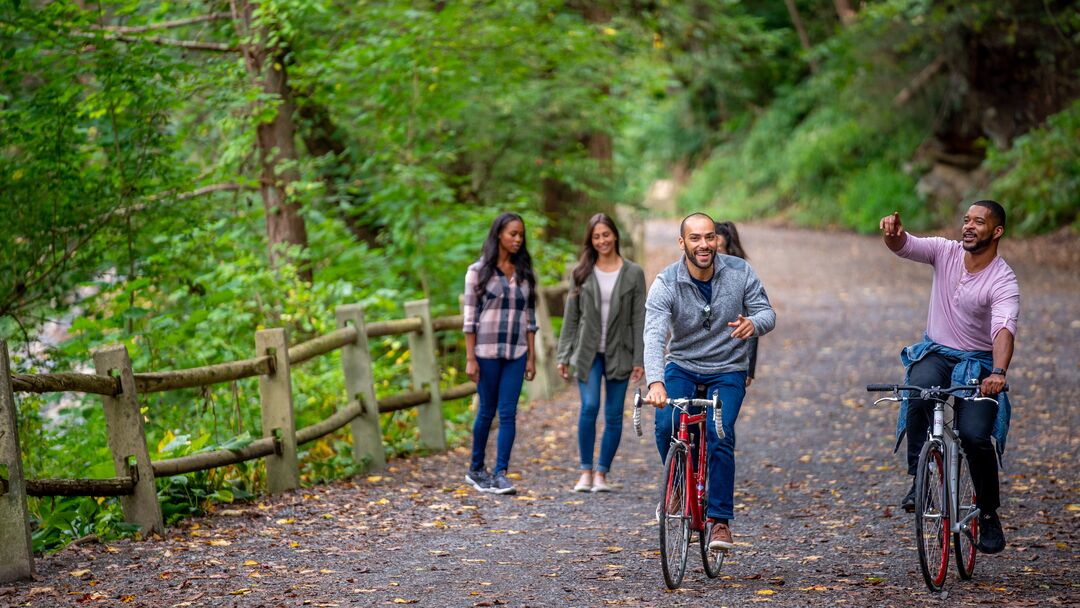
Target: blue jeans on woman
682, 384
615, 392
498, 389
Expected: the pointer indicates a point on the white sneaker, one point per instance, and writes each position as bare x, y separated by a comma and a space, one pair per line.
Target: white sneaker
600, 485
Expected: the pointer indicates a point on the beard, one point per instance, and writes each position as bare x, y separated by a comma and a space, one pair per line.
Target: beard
693, 258
979, 245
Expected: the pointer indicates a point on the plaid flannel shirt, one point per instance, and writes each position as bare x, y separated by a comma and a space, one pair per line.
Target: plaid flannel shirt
501, 318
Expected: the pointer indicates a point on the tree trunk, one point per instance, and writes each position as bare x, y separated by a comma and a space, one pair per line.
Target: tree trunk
844, 11
796, 20
567, 208
276, 142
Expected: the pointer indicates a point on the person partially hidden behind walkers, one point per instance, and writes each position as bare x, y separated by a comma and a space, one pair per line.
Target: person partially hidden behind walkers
500, 327
728, 243
709, 305
601, 339
974, 305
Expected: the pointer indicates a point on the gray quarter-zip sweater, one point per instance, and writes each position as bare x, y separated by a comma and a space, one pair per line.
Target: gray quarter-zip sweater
675, 308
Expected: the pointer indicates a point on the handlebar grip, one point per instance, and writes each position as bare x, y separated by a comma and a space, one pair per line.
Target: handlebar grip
637, 412
718, 418
880, 388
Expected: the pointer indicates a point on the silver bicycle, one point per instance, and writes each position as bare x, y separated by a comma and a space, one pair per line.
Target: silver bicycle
944, 492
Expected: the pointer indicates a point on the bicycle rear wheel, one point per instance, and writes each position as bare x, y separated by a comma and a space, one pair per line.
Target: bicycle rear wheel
674, 517
931, 516
965, 540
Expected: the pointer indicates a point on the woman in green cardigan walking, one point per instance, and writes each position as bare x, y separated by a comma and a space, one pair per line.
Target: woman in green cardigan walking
601, 340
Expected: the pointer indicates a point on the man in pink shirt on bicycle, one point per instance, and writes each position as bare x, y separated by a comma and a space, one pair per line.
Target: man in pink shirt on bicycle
974, 305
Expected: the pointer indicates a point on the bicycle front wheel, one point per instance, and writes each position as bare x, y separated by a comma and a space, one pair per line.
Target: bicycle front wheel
964, 541
674, 517
932, 516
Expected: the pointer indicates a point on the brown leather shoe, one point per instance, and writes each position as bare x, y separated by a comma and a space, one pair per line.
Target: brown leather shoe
720, 537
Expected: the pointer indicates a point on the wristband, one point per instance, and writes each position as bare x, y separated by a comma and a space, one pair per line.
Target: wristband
997, 371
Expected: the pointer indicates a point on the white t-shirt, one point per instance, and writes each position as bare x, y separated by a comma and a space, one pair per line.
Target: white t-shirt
607, 287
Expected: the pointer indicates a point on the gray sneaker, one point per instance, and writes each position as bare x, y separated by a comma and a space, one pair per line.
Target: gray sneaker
480, 479
501, 485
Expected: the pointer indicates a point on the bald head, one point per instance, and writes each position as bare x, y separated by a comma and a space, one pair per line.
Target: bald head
694, 218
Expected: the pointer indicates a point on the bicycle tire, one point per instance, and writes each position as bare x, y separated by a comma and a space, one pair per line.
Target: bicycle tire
932, 517
711, 561
674, 517
964, 542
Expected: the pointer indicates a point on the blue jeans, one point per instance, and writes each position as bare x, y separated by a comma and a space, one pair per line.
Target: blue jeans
613, 414
498, 389
681, 383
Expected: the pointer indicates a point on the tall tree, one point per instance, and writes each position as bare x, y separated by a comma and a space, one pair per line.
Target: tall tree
266, 56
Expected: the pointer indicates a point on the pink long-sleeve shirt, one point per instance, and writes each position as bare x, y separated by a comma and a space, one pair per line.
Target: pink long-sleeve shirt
967, 310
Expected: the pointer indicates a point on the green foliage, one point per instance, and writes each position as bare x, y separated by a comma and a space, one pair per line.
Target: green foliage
1040, 181
877, 191
60, 520
836, 148
83, 138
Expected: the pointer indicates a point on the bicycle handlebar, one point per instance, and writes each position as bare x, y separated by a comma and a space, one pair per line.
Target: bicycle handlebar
952, 390
682, 403
931, 392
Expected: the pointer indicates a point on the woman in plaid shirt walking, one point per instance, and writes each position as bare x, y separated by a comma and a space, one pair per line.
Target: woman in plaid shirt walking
500, 326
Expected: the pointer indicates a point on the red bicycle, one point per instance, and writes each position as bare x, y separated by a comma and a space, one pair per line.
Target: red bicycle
684, 488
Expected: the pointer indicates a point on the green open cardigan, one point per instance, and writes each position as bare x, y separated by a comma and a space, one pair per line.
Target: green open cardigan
580, 336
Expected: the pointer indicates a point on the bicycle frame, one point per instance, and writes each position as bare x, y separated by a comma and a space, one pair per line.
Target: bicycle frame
945, 436
695, 472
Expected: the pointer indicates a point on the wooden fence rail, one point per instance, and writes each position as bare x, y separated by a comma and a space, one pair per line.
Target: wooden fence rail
119, 387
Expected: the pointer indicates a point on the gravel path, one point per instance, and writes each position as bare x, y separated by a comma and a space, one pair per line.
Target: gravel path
816, 481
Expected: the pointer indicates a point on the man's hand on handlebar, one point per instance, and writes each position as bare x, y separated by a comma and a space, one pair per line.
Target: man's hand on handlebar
657, 396
992, 385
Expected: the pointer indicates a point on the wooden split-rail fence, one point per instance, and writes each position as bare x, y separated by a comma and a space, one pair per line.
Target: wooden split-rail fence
119, 387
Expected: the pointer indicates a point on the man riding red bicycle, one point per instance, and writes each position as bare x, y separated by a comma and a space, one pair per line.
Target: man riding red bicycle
709, 305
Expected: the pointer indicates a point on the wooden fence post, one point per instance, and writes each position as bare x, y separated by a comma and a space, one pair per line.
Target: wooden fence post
16, 553
275, 396
547, 378
360, 385
127, 440
425, 375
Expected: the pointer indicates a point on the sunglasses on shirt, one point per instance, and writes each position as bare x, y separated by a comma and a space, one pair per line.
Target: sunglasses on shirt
707, 323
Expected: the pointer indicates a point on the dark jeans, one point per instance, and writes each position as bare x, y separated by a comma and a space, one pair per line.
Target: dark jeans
975, 423
615, 394
498, 389
681, 383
